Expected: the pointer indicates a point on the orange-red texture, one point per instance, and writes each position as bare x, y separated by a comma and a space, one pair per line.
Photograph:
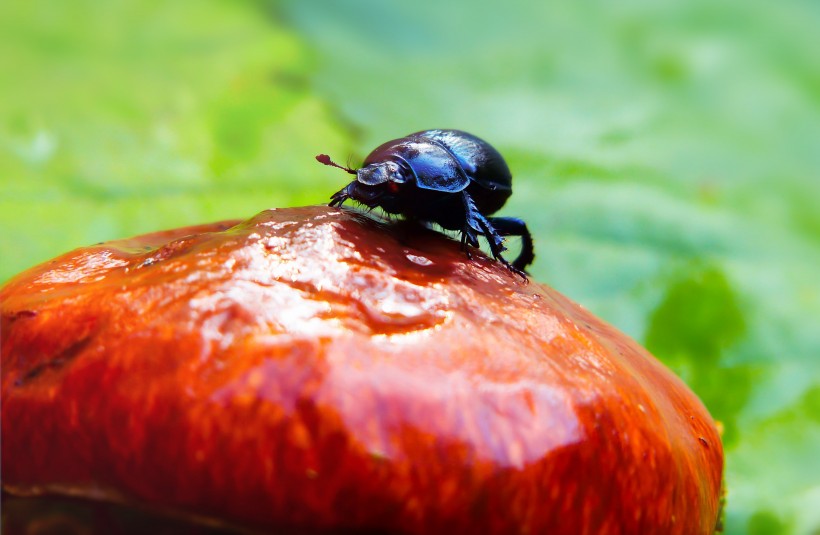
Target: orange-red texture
311, 368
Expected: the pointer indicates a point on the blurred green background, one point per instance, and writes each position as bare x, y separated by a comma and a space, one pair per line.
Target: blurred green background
666, 157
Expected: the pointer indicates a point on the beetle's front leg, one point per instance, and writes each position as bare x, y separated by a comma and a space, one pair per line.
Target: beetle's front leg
338, 198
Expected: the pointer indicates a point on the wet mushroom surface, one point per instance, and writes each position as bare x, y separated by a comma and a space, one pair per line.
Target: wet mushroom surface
313, 369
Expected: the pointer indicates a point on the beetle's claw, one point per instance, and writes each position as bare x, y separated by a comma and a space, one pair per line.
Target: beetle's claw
468, 239
471, 239
520, 272
464, 247
511, 266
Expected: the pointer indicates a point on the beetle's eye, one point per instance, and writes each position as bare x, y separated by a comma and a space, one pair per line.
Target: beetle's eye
393, 187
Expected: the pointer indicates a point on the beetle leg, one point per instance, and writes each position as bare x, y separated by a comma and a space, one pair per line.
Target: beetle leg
493, 237
464, 246
468, 238
338, 198
476, 223
511, 226
497, 246
471, 229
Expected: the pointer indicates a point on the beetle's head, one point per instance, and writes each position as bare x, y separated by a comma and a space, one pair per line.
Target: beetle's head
376, 184
380, 184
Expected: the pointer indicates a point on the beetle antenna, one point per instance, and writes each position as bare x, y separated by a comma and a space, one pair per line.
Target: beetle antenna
325, 159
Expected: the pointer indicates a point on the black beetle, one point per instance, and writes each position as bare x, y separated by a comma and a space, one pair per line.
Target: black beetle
447, 177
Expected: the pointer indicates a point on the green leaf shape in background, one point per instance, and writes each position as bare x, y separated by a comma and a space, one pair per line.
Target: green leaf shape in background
699, 318
665, 157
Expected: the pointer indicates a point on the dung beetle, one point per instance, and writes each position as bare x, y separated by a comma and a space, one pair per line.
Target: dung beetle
447, 177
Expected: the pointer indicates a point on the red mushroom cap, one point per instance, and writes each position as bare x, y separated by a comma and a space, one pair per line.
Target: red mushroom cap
310, 368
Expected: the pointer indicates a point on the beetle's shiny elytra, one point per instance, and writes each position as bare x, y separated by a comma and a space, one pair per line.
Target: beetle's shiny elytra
447, 177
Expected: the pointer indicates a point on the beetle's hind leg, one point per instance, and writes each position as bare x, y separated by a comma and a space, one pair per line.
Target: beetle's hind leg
512, 226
